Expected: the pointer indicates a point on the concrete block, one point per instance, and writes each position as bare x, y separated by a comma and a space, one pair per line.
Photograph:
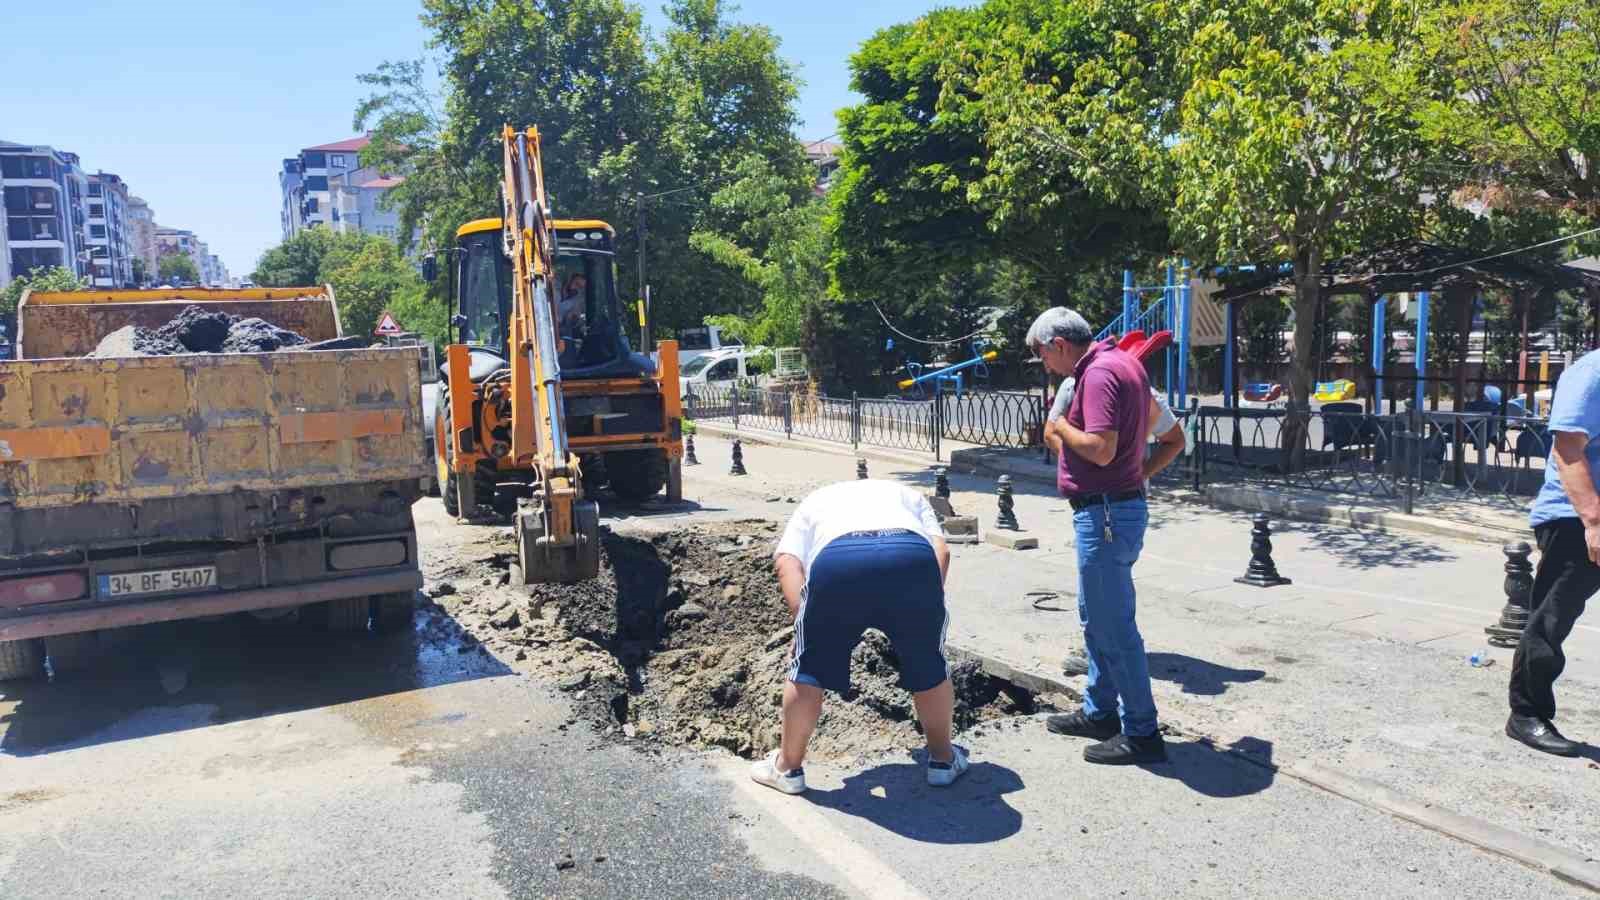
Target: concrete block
1011, 540
941, 506
960, 525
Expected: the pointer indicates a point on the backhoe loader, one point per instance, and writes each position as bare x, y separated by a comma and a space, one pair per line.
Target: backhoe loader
541, 400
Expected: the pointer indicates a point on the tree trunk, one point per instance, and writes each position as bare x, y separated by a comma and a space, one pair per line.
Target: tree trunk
1302, 373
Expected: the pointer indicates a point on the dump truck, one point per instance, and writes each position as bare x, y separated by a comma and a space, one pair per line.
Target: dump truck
542, 401
136, 490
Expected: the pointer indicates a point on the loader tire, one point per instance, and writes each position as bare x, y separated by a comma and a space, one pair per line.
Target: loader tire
21, 659
637, 475
448, 490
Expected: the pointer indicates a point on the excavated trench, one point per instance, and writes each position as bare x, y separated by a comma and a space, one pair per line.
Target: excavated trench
684, 639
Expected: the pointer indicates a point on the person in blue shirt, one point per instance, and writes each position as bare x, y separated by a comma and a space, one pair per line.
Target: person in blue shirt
1566, 520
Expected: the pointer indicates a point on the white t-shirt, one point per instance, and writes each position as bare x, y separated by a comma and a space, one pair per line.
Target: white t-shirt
839, 509
1161, 424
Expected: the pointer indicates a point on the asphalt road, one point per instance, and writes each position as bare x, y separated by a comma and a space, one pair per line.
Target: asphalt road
241, 759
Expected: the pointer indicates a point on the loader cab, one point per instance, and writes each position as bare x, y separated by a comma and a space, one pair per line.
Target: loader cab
596, 345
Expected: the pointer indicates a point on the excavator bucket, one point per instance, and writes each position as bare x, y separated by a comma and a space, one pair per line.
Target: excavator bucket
543, 558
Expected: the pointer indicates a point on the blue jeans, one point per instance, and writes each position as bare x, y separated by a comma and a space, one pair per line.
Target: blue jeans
1119, 672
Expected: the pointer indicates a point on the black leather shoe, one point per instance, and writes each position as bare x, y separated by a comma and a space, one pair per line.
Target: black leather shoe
1075, 664
1079, 725
1127, 751
1540, 735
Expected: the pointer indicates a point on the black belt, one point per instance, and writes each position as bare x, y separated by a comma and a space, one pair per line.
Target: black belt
1079, 501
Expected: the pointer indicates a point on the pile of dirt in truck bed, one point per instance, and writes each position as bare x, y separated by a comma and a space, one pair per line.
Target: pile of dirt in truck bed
197, 330
685, 639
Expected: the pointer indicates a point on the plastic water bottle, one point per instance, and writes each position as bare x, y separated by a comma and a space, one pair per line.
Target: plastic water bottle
1480, 659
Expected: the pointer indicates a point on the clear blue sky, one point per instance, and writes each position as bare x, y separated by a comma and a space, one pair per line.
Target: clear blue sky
195, 104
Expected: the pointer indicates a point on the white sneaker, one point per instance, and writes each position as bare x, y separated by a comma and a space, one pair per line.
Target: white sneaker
945, 774
792, 782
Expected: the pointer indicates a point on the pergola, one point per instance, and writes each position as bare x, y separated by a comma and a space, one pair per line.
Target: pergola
1420, 268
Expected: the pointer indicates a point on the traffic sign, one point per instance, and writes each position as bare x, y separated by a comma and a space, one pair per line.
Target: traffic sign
387, 326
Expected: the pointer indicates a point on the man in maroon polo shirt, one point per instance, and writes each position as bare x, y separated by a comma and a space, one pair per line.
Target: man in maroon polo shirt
1101, 473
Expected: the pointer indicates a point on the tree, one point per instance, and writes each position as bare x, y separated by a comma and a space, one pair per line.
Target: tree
176, 266
367, 278
780, 248
1298, 135
948, 163
140, 274
54, 278
368, 274
298, 260
1524, 98
620, 115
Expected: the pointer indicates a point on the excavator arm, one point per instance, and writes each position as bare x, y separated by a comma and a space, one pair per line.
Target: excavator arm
557, 529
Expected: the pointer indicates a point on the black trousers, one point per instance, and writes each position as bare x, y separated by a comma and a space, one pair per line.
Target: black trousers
1563, 585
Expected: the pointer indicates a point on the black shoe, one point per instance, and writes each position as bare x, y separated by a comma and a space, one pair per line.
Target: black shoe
1127, 751
1079, 725
1540, 735
1075, 665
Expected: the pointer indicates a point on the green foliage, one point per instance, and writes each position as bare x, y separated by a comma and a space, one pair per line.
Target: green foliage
54, 278
621, 113
778, 246
368, 274
140, 273
1524, 90
176, 266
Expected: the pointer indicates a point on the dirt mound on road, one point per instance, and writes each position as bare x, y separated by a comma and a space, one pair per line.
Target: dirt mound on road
685, 639
131, 340
197, 330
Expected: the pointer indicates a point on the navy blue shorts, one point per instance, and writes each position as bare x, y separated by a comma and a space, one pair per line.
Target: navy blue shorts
885, 580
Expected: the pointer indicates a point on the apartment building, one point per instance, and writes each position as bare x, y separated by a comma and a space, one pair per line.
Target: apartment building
110, 256
42, 220
142, 236
354, 203
303, 182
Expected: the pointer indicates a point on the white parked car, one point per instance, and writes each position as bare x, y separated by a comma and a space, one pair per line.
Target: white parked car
716, 370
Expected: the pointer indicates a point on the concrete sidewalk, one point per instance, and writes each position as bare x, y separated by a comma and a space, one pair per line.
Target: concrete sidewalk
1360, 666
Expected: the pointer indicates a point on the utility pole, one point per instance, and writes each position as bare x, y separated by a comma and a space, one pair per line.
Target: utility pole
644, 335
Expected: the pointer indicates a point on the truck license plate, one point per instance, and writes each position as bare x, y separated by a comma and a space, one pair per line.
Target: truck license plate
158, 581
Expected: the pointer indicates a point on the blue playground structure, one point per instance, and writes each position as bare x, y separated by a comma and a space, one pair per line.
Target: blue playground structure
1171, 311
915, 387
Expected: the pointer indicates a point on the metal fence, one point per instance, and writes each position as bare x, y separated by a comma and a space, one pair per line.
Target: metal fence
1387, 457
988, 418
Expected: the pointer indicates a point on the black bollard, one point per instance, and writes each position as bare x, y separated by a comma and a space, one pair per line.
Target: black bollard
1007, 520
689, 459
861, 468
941, 482
738, 459
1262, 571
1519, 596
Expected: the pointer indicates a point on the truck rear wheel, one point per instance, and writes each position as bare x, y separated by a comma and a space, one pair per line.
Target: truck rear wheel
21, 659
636, 475
394, 612
71, 652
347, 614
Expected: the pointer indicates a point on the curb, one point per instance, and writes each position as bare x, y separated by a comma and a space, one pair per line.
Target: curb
1563, 864
1254, 499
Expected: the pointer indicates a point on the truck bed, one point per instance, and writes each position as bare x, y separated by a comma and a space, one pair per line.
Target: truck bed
76, 431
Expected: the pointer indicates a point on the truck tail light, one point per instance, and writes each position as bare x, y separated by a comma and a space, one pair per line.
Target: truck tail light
35, 589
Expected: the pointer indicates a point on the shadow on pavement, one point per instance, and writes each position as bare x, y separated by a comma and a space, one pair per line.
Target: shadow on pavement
971, 811
176, 676
1213, 771
1365, 549
1197, 676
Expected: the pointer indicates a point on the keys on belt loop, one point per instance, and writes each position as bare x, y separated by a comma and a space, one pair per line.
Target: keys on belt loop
1105, 509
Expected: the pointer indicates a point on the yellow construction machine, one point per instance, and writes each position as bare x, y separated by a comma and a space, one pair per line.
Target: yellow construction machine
541, 400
